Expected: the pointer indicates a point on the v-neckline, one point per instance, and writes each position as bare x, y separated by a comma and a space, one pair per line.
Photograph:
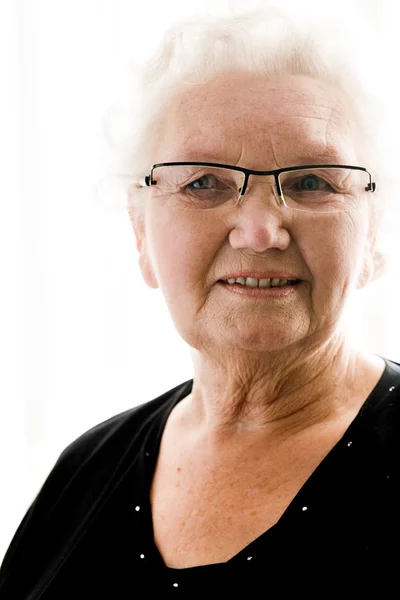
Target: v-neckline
299, 504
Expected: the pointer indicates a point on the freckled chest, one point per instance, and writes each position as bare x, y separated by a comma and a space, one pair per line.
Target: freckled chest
208, 507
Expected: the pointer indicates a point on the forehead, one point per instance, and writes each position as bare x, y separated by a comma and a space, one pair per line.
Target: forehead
270, 120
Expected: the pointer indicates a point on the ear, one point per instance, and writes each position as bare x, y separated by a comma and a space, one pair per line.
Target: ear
139, 227
367, 273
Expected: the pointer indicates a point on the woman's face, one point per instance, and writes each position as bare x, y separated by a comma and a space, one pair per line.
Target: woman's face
261, 124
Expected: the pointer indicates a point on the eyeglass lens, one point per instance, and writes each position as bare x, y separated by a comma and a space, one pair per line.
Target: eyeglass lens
317, 189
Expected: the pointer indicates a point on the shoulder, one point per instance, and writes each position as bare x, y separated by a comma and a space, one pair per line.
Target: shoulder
384, 401
379, 421
83, 477
113, 436
106, 443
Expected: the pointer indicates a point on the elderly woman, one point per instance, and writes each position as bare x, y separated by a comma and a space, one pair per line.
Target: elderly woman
276, 465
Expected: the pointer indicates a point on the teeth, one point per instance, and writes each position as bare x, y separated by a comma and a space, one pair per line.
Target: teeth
251, 282
241, 280
262, 283
265, 283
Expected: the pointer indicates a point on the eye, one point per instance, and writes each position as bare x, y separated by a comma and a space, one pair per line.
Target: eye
202, 183
311, 183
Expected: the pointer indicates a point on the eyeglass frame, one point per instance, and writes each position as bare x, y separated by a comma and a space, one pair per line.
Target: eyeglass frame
148, 179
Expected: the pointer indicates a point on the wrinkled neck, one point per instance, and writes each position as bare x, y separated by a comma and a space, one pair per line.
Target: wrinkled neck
283, 394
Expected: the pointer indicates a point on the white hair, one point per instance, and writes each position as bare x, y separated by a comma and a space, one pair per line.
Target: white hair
266, 42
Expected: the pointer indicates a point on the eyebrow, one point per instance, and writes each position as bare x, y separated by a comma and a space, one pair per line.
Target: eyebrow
329, 155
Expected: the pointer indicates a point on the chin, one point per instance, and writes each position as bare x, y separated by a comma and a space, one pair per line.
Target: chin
261, 341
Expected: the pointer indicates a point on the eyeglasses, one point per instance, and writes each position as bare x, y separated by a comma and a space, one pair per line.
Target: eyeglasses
309, 188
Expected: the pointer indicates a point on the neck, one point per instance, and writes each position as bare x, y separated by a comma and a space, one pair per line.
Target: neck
281, 394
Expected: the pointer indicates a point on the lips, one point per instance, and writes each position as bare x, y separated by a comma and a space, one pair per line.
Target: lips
288, 282
260, 275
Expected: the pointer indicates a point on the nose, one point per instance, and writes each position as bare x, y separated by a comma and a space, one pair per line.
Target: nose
260, 179
260, 219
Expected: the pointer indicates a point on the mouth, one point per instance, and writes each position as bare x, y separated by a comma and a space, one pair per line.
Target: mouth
282, 291
262, 284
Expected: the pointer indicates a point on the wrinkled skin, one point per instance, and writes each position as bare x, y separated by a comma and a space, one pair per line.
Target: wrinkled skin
265, 365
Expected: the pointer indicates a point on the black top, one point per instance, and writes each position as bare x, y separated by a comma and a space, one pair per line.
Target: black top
88, 534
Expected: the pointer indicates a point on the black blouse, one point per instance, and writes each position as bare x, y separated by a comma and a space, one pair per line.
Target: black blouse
88, 534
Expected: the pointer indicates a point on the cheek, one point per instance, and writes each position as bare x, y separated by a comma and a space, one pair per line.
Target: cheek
334, 252
166, 248
180, 249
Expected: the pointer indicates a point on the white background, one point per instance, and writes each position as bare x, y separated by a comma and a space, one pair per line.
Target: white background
81, 336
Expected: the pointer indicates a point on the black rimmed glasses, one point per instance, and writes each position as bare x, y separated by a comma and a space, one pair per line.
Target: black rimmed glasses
310, 188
